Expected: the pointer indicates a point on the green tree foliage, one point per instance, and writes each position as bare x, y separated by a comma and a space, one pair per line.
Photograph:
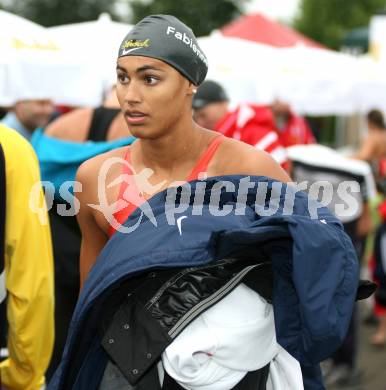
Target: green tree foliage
56, 12
202, 15
327, 21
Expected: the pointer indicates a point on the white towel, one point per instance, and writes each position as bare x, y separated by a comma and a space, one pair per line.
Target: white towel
234, 336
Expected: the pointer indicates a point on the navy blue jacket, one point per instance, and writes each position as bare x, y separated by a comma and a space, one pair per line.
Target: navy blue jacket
314, 265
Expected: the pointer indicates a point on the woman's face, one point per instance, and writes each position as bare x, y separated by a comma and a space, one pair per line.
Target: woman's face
152, 94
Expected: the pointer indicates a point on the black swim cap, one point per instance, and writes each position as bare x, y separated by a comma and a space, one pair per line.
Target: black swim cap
166, 38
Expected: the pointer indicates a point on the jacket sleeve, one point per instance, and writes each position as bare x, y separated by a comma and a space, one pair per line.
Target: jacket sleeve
325, 277
29, 273
316, 275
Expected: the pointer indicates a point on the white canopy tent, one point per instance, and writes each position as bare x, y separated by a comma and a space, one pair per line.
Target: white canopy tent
73, 64
99, 40
34, 66
314, 81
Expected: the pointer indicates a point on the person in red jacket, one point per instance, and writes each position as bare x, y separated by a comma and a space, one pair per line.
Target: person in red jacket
249, 123
292, 129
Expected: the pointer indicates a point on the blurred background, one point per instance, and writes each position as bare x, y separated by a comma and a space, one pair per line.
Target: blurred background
331, 86
326, 59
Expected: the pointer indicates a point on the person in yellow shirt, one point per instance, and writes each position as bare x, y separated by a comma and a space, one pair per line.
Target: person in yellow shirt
28, 266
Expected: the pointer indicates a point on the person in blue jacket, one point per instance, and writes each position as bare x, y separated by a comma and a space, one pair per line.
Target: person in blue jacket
159, 67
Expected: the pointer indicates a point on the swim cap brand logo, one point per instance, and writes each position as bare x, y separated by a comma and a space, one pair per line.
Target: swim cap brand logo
136, 43
188, 41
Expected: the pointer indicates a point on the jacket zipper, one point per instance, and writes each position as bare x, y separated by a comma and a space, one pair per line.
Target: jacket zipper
159, 293
211, 300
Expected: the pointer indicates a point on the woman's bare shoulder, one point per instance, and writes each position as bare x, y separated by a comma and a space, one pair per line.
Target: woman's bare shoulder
90, 169
238, 158
72, 126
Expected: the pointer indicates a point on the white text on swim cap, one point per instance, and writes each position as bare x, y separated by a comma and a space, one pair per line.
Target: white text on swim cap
188, 41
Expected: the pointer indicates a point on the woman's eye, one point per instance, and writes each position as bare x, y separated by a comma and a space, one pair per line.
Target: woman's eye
151, 80
122, 78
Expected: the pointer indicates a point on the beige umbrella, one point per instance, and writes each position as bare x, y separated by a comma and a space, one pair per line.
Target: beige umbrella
34, 66
99, 40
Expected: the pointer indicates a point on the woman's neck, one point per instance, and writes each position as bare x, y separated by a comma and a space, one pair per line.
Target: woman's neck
181, 144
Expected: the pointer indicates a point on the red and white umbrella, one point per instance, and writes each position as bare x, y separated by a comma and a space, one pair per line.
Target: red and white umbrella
259, 28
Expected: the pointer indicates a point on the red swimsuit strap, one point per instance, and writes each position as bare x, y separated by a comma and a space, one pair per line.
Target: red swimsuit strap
126, 170
203, 162
122, 214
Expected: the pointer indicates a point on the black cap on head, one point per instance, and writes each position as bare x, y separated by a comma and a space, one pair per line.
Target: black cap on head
166, 38
376, 118
209, 92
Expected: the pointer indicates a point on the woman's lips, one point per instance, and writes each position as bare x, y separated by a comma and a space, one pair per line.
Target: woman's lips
135, 118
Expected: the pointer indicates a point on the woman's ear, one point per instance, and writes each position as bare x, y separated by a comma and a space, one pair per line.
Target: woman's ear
192, 89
